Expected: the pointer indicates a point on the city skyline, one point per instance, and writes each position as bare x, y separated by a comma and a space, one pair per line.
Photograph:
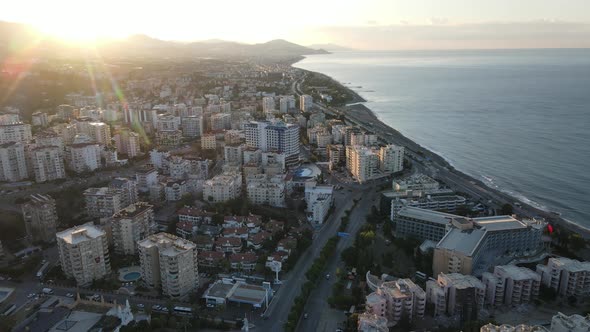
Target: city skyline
372, 25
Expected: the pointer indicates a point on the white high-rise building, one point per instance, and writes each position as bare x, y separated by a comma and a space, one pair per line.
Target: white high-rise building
131, 225
84, 253
568, 277
361, 162
268, 105
319, 200
100, 132
83, 157
47, 163
15, 132
233, 154
40, 216
391, 158
169, 262
13, 162
274, 136
286, 103
511, 285
192, 126
167, 122
39, 119
305, 103
102, 202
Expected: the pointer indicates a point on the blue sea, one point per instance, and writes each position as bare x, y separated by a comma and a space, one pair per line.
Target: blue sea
517, 119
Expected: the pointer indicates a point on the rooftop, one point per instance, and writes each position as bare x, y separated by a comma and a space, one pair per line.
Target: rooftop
168, 244
80, 233
460, 281
428, 215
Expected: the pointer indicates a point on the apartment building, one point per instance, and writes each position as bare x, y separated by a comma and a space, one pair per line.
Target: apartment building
170, 263
208, 142
472, 246
83, 157
394, 300
130, 225
305, 103
168, 137
268, 105
416, 182
99, 132
40, 119
372, 323
13, 162
233, 153
319, 200
455, 294
102, 202
361, 162
128, 143
145, 178
174, 190
47, 163
126, 188
568, 277
220, 121
266, 190
15, 132
286, 103
40, 217
192, 126
511, 285
391, 158
223, 187
84, 253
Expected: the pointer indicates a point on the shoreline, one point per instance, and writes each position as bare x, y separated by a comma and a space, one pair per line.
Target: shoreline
363, 116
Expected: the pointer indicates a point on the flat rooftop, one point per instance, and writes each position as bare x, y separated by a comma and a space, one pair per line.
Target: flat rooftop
517, 272
427, 215
461, 281
251, 294
499, 223
80, 233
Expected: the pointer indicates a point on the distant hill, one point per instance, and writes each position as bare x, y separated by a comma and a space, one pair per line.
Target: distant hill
331, 47
25, 37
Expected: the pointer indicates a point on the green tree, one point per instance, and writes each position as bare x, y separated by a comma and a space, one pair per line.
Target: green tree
506, 209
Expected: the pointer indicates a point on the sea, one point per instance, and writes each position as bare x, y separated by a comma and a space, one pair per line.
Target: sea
519, 120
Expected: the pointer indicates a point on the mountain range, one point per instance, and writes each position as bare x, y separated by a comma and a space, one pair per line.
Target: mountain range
16, 38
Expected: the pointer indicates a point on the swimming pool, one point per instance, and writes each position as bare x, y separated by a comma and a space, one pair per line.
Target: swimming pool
132, 276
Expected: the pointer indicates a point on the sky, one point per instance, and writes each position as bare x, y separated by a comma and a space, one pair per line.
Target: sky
363, 24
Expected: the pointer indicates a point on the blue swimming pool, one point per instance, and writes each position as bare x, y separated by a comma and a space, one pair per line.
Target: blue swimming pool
132, 276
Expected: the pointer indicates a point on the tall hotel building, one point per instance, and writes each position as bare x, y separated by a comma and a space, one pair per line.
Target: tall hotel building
274, 136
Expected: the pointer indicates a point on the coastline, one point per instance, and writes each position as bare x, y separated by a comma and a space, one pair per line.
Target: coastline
363, 116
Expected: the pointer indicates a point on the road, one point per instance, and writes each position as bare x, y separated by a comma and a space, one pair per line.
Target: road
320, 316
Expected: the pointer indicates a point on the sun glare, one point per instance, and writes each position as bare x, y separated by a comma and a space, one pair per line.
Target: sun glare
78, 32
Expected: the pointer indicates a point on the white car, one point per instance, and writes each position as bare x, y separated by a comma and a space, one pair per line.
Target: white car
209, 305
70, 295
140, 305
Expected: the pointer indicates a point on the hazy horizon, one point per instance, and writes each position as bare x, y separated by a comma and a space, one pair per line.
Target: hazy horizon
363, 25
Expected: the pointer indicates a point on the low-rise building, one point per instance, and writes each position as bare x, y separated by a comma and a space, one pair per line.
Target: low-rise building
212, 259
394, 300
222, 188
245, 262
228, 244
368, 322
